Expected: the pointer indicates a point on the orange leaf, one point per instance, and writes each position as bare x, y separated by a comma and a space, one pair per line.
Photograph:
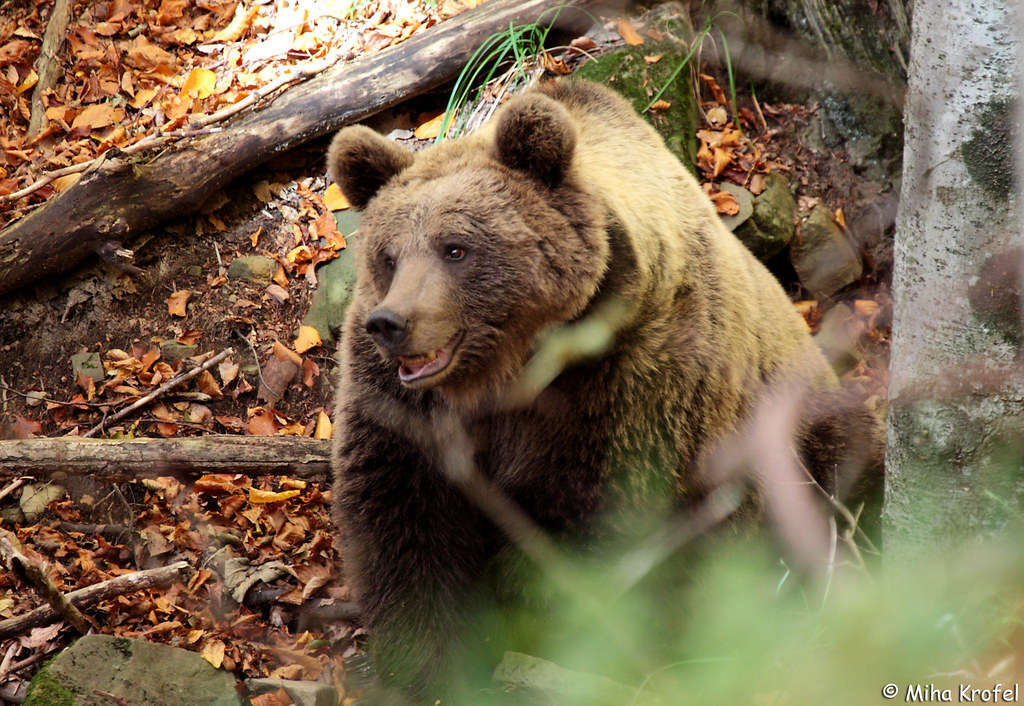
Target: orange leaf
308, 337
429, 129
726, 203
629, 34
264, 496
263, 424
334, 199
323, 426
176, 303
661, 105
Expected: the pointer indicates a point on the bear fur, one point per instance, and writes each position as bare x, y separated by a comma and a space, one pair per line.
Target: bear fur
485, 266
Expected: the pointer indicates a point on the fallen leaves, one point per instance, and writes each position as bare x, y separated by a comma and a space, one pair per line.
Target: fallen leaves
140, 70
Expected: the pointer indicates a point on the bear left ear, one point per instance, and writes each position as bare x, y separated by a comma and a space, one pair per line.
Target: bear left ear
360, 162
536, 135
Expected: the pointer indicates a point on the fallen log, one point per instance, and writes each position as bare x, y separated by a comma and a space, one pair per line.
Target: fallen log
91, 595
120, 460
121, 196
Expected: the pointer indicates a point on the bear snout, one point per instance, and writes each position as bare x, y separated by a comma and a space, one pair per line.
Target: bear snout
387, 328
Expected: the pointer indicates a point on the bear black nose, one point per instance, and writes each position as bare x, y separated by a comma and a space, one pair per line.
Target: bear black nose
387, 328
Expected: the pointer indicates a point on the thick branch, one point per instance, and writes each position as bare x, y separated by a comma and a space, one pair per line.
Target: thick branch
119, 460
123, 196
90, 595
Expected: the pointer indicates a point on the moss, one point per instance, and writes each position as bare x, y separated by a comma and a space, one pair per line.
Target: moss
124, 646
989, 153
45, 690
628, 73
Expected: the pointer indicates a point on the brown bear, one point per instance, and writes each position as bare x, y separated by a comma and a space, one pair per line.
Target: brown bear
554, 304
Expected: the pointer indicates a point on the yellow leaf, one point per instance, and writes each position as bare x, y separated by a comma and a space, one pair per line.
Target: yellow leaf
334, 199
143, 97
307, 338
213, 652
324, 428
430, 129
265, 496
61, 183
176, 303
29, 81
840, 219
202, 81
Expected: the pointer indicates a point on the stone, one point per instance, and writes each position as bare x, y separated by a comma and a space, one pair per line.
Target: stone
88, 364
823, 257
745, 199
302, 693
771, 226
336, 281
35, 498
173, 350
129, 671
258, 269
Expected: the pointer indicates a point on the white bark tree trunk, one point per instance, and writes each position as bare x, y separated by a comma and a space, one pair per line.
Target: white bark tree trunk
955, 446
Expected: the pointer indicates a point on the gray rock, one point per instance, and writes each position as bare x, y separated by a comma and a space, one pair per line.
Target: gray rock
771, 226
258, 269
173, 350
336, 281
302, 693
136, 672
746, 201
35, 497
823, 257
88, 364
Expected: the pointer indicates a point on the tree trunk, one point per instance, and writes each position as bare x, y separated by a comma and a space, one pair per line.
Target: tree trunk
123, 196
117, 460
956, 408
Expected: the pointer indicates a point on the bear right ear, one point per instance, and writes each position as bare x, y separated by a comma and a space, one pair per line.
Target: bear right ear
537, 136
360, 162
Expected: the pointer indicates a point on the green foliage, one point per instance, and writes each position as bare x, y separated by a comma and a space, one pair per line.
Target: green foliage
519, 44
732, 632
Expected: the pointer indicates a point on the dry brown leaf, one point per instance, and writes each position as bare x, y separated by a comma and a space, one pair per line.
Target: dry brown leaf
661, 105
263, 423
208, 384
177, 302
725, 203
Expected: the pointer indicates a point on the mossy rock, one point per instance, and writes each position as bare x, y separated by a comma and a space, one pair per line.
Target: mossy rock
628, 72
336, 281
771, 225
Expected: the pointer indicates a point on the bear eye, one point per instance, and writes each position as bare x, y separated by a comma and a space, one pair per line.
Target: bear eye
454, 253
389, 263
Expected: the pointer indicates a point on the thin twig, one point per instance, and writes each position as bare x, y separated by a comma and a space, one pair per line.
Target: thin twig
163, 389
35, 574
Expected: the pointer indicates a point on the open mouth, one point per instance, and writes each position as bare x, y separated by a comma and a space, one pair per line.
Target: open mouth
424, 365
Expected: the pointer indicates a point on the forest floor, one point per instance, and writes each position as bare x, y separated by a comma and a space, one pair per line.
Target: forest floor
183, 308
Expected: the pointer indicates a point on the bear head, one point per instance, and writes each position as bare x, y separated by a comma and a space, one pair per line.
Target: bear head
468, 250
